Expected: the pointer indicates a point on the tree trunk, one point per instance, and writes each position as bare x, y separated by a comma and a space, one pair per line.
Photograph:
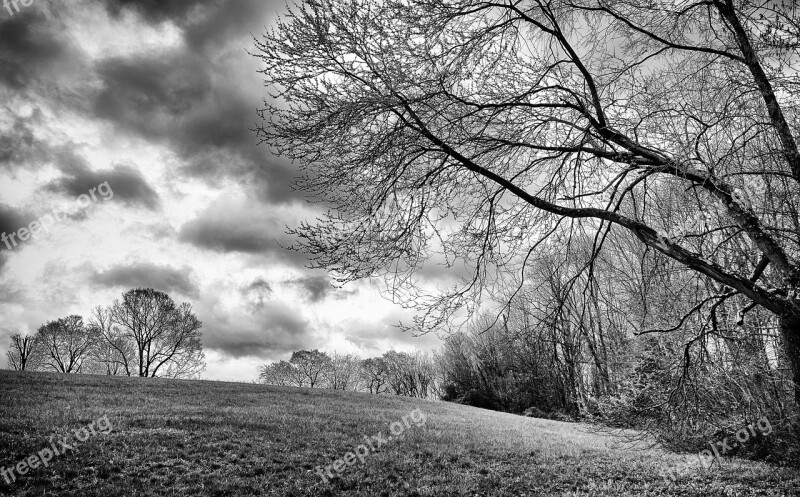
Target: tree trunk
790, 335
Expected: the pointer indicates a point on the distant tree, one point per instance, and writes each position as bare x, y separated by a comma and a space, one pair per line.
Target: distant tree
343, 372
146, 334
22, 352
115, 354
374, 373
401, 376
425, 373
281, 373
268, 375
312, 365
65, 344
401, 373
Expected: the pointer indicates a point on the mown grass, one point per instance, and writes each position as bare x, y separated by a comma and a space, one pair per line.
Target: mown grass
213, 438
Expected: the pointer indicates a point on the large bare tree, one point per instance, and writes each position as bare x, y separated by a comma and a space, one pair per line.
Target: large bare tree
476, 131
148, 335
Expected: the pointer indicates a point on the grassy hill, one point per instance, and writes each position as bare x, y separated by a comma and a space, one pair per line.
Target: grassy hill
172, 437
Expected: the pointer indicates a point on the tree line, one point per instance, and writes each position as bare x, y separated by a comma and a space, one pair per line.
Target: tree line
142, 334
398, 373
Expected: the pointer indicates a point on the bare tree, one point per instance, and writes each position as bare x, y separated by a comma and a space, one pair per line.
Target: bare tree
343, 372
150, 336
65, 344
114, 353
106, 358
278, 373
407, 374
22, 352
482, 131
190, 364
375, 372
283, 373
312, 366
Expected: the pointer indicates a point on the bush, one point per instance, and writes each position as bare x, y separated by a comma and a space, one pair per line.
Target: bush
477, 398
534, 412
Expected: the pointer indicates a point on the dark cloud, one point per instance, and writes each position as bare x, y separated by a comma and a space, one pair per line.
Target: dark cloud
271, 332
257, 293
201, 99
126, 183
260, 285
206, 23
230, 235
245, 228
18, 145
10, 221
146, 94
147, 275
172, 98
225, 22
316, 287
375, 338
157, 10
28, 44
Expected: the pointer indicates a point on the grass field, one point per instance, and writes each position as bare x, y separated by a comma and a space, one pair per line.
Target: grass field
211, 438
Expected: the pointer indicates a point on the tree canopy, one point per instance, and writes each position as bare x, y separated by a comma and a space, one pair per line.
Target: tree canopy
478, 134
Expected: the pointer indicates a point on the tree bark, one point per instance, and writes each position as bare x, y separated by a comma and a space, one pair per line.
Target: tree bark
790, 334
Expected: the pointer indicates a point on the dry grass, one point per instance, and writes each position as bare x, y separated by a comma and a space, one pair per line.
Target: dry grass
213, 438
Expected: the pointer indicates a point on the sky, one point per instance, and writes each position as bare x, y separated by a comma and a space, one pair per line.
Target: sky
128, 159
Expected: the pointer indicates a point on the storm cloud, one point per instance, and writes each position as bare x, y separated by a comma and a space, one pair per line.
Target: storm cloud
28, 46
10, 221
275, 330
126, 182
147, 275
194, 97
316, 287
243, 226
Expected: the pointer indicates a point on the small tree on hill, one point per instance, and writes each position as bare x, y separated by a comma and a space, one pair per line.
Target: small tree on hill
65, 343
312, 365
375, 374
22, 352
280, 373
343, 372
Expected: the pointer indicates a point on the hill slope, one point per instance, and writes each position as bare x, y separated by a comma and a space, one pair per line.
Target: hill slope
212, 438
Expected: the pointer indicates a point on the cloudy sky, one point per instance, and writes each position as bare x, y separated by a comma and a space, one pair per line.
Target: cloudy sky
156, 99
